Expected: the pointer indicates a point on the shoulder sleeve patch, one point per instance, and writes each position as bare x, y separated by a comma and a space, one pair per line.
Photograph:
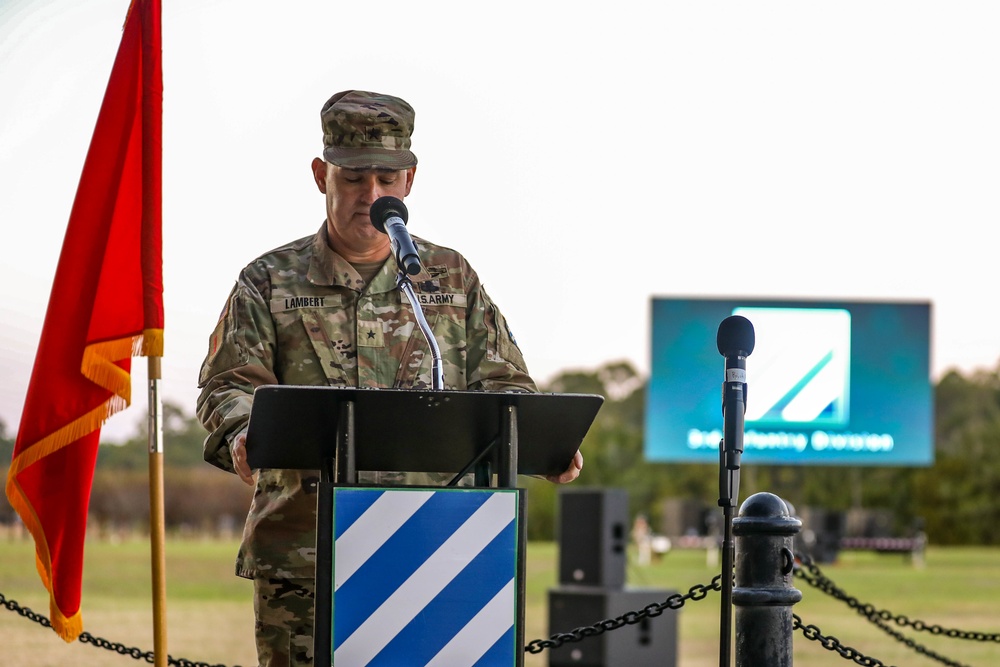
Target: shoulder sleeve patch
225, 350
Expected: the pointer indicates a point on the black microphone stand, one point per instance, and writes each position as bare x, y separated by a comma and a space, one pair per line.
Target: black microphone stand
730, 449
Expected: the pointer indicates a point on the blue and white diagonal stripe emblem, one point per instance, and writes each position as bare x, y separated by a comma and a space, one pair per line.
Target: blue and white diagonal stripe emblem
424, 577
801, 366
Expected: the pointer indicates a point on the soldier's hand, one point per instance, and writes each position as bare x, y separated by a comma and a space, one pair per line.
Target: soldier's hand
571, 473
239, 454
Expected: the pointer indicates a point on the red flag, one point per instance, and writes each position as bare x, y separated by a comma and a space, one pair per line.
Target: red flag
106, 305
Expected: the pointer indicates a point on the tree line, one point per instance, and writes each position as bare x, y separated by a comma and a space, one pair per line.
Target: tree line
955, 499
198, 497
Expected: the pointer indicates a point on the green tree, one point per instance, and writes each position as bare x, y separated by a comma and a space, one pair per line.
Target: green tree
612, 448
6, 454
958, 496
6, 444
196, 495
183, 437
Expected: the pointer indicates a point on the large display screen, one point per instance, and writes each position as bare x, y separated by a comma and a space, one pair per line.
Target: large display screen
828, 382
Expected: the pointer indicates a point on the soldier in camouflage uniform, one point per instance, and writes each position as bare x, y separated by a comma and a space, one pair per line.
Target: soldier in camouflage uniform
325, 310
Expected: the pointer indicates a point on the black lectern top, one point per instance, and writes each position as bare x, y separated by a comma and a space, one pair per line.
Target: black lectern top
414, 430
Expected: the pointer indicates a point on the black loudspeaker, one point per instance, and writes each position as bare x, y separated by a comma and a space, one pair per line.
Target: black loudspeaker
593, 537
824, 530
648, 643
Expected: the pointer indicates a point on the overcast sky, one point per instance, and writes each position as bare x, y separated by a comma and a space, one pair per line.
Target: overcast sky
585, 157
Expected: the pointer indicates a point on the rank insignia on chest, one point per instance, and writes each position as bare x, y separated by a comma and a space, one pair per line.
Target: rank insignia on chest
370, 334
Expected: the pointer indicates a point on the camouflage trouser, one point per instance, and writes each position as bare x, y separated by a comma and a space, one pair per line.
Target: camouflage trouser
283, 612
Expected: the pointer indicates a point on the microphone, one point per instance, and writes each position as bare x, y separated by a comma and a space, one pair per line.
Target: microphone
389, 216
735, 341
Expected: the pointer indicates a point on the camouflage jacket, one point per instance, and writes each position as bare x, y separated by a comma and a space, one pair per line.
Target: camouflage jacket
301, 315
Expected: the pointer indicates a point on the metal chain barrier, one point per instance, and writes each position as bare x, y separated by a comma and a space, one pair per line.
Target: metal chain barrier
697, 592
811, 574
833, 644
88, 638
805, 569
676, 601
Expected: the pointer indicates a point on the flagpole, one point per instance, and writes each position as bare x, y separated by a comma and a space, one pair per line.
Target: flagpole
152, 155
156, 521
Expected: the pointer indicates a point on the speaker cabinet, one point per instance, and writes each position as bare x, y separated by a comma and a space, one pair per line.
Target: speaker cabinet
593, 537
650, 642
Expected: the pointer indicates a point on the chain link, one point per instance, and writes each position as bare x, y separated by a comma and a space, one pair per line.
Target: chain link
88, 638
833, 644
676, 601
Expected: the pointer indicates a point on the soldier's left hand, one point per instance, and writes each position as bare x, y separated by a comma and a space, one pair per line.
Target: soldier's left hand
571, 473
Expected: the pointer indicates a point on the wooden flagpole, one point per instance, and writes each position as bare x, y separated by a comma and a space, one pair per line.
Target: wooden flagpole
156, 520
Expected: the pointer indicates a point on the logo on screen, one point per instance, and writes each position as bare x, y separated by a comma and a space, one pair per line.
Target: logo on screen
799, 372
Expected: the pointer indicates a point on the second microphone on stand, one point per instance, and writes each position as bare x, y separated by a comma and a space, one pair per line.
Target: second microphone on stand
735, 341
389, 215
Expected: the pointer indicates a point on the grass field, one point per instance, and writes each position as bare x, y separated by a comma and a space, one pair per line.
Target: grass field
210, 619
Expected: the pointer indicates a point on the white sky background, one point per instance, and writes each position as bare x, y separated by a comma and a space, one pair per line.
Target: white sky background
585, 157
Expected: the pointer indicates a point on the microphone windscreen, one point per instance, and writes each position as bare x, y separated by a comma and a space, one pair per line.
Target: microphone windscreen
736, 338
385, 208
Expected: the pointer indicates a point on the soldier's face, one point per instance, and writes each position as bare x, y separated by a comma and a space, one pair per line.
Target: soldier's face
349, 196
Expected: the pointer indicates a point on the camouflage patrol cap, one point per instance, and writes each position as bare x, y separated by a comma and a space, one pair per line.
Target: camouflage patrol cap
363, 130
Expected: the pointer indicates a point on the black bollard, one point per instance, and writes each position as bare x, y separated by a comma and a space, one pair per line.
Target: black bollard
764, 594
